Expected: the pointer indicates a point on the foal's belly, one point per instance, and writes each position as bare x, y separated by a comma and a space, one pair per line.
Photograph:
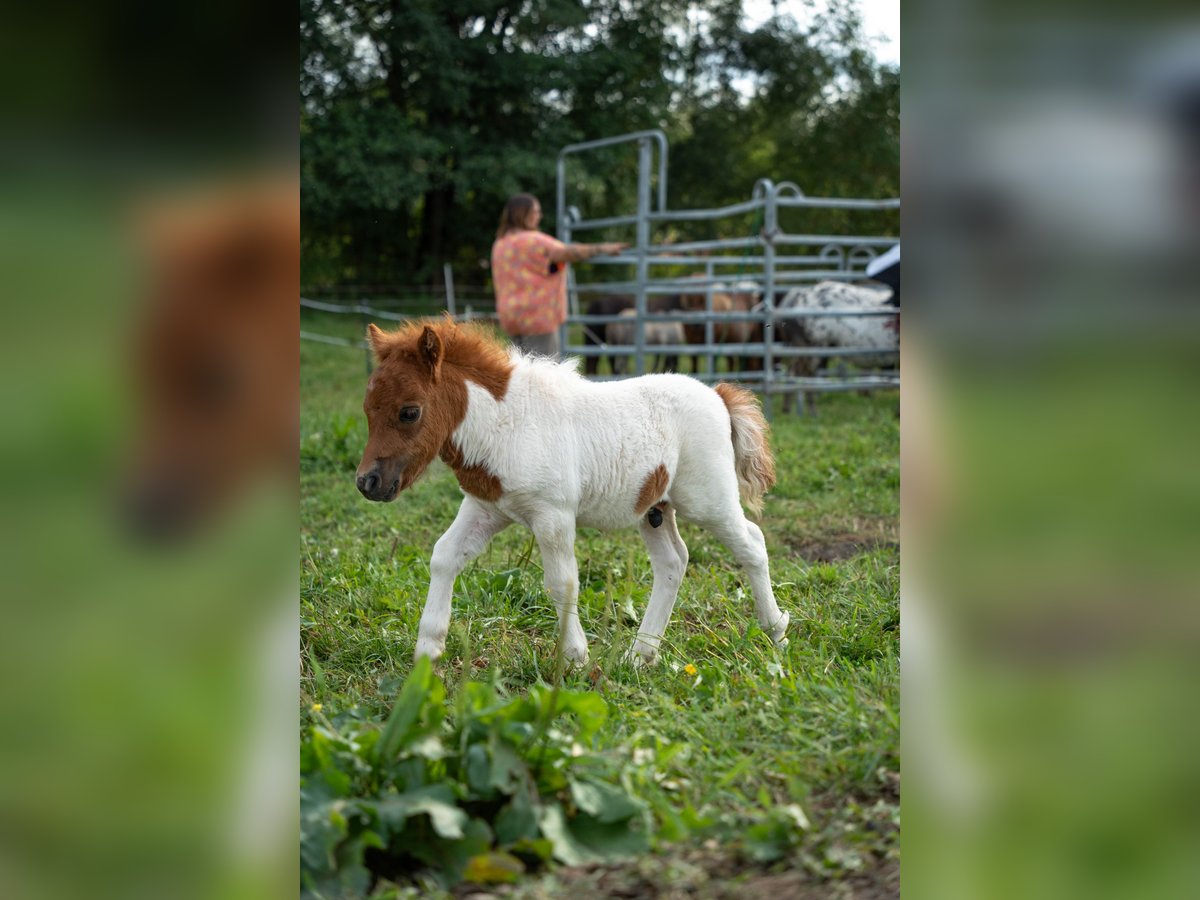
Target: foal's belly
605, 512
605, 519
600, 512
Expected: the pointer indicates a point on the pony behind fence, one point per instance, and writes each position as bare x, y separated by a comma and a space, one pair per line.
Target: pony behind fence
532, 442
623, 333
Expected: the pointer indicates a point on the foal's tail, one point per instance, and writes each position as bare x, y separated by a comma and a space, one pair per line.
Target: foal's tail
753, 461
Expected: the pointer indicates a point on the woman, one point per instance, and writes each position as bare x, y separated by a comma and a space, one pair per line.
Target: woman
530, 275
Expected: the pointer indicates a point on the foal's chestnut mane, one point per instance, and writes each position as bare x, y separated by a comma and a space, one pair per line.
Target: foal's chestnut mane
471, 351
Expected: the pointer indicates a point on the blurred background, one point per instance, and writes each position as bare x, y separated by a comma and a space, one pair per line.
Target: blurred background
1051, 496
148, 229
419, 122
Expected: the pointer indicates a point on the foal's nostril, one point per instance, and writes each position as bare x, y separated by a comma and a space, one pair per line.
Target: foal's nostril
368, 483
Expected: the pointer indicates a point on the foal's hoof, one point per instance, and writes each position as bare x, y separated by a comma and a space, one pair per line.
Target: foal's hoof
575, 657
427, 647
640, 656
779, 632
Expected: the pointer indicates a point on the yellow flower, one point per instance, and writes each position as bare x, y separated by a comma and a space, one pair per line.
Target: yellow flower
316, 707
689, 669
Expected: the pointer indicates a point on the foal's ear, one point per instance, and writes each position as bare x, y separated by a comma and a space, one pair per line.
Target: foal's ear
430, 345
379, 342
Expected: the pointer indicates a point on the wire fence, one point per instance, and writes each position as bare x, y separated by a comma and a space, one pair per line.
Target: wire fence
358, 311
771, 262
708, 360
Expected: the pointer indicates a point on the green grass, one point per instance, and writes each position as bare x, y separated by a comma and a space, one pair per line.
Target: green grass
754, 729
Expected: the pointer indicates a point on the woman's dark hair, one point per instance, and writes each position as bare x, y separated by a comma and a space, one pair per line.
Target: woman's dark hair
516, 211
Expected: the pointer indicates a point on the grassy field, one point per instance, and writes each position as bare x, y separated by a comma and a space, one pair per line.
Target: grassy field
794, 748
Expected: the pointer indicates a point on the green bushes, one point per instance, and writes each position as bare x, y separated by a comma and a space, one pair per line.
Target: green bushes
503, 786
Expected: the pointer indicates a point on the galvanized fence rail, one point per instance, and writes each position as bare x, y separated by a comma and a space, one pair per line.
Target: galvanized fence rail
764, 266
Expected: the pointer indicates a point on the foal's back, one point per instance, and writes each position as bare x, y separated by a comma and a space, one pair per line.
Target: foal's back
610, 437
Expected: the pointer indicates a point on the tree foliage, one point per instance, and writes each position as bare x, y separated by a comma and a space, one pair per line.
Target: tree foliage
420, 117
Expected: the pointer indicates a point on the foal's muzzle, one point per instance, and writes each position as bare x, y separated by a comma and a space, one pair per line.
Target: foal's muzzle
373, 486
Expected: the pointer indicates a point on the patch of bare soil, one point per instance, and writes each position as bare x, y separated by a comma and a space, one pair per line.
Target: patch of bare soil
837, 547
700, 873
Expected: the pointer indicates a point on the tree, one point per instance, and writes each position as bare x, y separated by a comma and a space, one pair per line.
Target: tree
421, 117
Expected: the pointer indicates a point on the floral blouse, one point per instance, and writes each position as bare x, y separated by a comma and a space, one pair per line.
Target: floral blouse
530, 298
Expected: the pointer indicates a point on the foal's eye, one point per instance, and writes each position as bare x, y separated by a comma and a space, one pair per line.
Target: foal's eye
410, 414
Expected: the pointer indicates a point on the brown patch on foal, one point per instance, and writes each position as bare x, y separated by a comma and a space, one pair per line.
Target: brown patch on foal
425, 367
478, 481
652, 490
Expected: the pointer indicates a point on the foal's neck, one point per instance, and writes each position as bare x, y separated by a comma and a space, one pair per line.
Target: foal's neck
474, 448
475, 439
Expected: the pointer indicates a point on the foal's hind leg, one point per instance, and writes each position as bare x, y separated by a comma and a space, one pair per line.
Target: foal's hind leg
669, 558
746, 542
473, 527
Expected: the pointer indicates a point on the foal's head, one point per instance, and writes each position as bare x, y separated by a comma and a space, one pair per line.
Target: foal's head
417, 397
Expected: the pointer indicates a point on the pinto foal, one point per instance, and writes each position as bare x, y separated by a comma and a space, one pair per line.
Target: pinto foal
533, 442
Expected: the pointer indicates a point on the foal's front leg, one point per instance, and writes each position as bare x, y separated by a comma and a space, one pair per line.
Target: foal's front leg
556, 540
473, 527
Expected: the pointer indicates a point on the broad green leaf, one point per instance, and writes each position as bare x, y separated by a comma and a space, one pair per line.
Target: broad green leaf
496, 867
508, 769
409, 774
436, 800
500, 581
538, 848
388, 685
422, 693
567, 849
516, 821
609, 840
321, 755
338, 781
606, 802
332, 863
322, 827
478, 771
589, 709
517, 733
449, 858
351, 880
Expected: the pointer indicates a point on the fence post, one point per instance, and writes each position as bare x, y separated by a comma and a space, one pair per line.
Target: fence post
710, 343
770, 229
362, 311
448, 277
643, 244
562, 225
